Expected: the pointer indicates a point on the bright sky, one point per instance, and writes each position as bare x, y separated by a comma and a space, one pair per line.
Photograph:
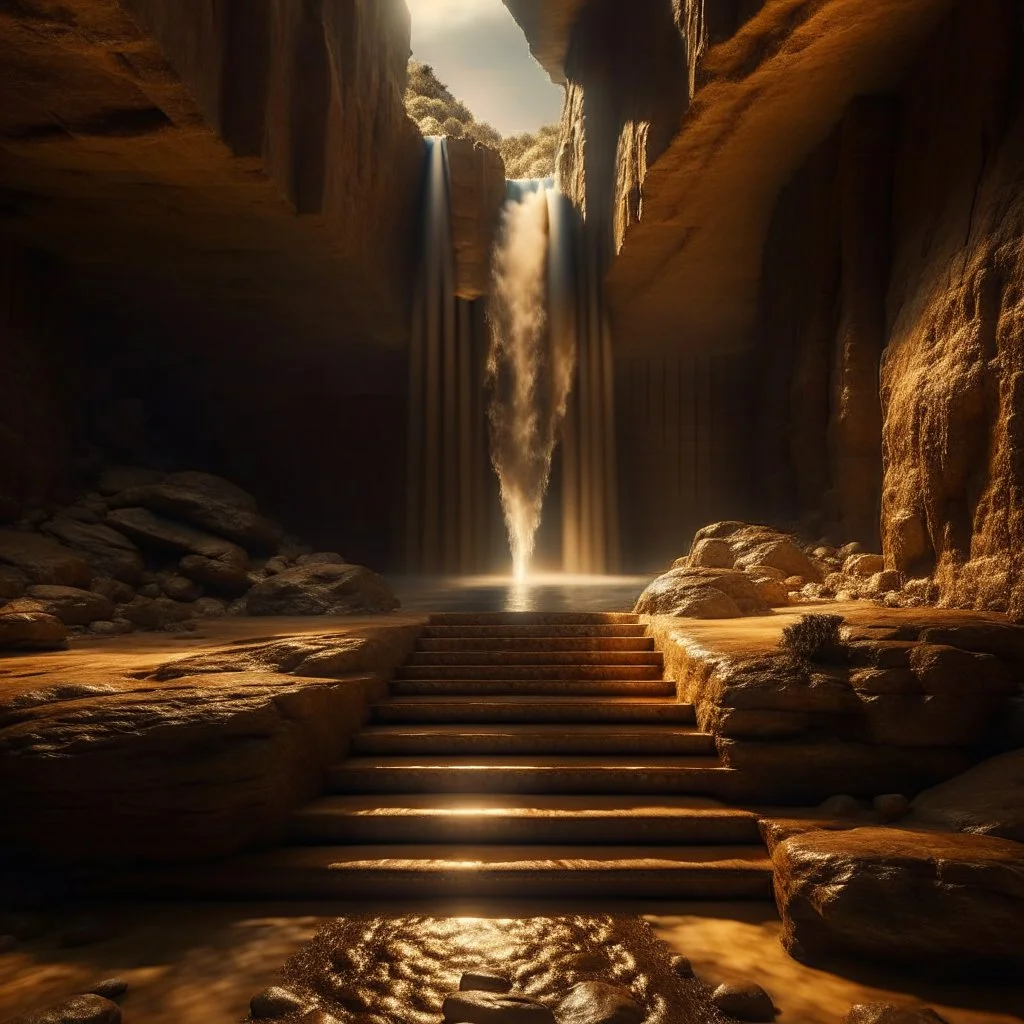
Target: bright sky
480, 53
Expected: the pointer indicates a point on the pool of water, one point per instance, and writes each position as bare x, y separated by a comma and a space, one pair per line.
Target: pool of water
555, 592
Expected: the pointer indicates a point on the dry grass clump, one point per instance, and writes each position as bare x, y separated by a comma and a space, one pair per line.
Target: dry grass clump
815, 638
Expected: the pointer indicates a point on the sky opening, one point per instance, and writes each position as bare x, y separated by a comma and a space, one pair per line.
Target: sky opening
481, 54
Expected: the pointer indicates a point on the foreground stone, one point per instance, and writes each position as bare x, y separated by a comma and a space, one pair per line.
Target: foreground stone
322, 589
950, 902
745, 1002
701, 593
87, 1009
72, 606
31, 628
596, 1002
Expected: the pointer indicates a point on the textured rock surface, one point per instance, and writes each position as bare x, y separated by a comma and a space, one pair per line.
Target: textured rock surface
87, 1009
141, 756
987, 800
702, 594
951, 902
322, 589
43, 560
597, 1002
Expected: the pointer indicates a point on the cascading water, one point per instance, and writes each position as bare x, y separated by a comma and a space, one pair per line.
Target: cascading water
532, 356
542, 356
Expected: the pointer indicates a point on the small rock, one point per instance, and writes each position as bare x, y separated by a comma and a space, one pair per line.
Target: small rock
596, 1002
849, 550
475, 982
842, 807
276, 564
864, 565
113, 590
111, 988
151, 590
745, 1002
274, 1002
181, 588
210, 608
682, 966
85, 1009
495, 1008
891, 807
883, 1013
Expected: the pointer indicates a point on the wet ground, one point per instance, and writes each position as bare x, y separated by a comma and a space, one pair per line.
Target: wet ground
551, 592
202, 964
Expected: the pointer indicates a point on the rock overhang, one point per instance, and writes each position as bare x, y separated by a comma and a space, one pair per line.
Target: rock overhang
548, 25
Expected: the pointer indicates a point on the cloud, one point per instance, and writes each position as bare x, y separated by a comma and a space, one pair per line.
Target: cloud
430, 13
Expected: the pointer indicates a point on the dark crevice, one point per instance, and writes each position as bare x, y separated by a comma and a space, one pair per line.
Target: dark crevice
310, 103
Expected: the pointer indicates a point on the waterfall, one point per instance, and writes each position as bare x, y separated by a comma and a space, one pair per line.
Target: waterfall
531, 367
532, 356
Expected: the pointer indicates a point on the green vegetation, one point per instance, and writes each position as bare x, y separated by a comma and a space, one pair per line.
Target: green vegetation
437, 112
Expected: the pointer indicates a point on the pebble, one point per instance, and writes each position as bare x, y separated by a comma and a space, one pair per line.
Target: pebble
274, 1002
596, 1002
842, 806
110, 988
682, 966
473, 981
495, 1008
745, 1002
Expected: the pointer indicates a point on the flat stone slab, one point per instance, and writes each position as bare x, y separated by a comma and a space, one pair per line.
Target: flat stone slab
402, 970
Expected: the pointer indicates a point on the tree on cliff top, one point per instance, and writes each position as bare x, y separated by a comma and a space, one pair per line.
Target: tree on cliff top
436, 111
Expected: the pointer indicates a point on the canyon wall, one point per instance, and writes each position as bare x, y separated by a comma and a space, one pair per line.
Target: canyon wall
226, 194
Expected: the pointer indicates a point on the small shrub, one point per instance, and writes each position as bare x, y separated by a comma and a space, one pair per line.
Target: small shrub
815, 638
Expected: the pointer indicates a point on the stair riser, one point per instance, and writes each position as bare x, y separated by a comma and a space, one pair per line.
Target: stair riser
503, 670
524, 713
531, 687
515, 656
533, 632
705, 884
618, 644
659, 744
533, 619
696, 781
328, 830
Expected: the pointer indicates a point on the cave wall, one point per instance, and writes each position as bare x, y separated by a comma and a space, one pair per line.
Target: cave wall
38, 408
890, 321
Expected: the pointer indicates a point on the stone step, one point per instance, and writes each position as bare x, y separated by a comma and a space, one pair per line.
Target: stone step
487, 818
541, 644
534, 619
431, 872
505, 671
502, 709
607, 630
694, 775
514, 656
572, 738
535, 687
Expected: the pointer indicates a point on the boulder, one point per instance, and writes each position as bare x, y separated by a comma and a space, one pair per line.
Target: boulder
762, 545
114, 590
711, 553
110, 553
154, 613
72, 606
986, 800
952, 903
596, 1002
84, 1009
864, 566
223, 575
210, 608
495, 1008
322, 589
13, 583
43, 560
208, 503
883, 583
772, 592
702, 594
181, 588
26, 626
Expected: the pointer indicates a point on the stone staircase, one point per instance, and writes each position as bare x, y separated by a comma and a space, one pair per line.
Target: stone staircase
520, 756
